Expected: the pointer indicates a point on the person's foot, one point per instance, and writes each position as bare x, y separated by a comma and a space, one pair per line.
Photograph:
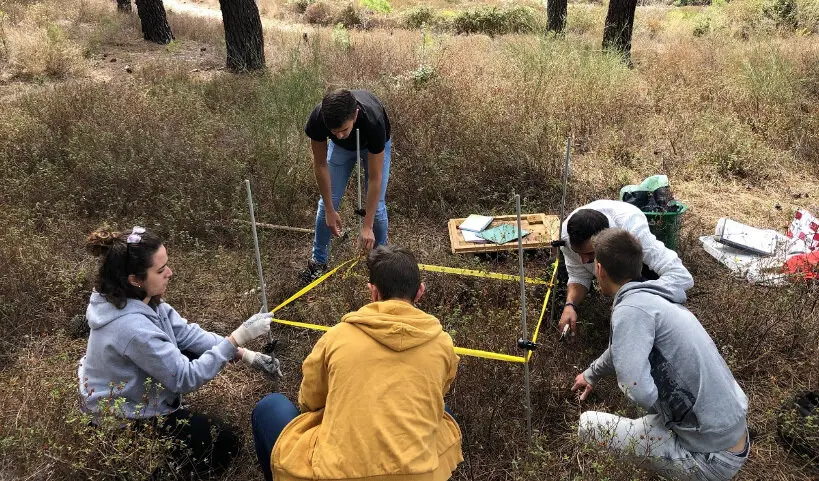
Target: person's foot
313, 271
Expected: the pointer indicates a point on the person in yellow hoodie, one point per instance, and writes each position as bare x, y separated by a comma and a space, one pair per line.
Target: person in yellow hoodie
372, 393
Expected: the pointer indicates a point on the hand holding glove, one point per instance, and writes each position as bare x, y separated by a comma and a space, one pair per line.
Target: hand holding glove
267, 364
257, 325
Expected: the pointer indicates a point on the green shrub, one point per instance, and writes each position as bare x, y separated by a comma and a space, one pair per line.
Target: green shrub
495, 21
783, 12
377, 6
341, 37
349, 16
419, 16
702, 24
51, 429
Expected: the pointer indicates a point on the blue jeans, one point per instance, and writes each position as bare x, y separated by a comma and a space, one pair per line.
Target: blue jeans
269, 418
341, 163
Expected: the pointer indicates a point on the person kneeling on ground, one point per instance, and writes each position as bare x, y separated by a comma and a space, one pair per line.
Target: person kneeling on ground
584, 223
139, 349
372, 394
667, 364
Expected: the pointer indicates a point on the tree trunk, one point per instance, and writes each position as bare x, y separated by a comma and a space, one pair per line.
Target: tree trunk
155, 26
556, 14
243, 35
618, 28
124, 6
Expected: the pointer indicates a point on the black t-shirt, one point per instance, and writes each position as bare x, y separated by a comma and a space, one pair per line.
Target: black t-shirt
372, 122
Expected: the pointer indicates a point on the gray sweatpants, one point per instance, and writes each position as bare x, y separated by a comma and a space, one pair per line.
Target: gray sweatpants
647, 440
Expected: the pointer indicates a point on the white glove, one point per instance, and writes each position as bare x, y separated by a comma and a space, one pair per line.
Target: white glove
267, 364
257, 325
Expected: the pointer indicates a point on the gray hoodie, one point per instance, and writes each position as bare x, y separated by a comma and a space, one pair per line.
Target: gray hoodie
666, 363
129, 345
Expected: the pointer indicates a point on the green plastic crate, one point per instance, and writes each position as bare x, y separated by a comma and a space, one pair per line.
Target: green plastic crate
666, 225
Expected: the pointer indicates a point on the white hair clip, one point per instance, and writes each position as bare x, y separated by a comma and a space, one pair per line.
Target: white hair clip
135, 237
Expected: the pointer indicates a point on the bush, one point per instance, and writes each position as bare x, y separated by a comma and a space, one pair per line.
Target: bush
125, 161
783, 12
729, 151
318, 13
349, 16
341, 37
43, 52
419, 16
582, 19
495, 21
807, 15
377, 6
300, 6
53, 431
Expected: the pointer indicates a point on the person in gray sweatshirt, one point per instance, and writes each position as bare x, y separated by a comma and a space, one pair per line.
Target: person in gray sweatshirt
666, 363
138, 362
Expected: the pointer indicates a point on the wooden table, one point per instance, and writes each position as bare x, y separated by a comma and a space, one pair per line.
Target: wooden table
543, 229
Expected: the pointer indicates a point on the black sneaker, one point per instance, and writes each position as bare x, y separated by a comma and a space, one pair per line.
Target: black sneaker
313, 271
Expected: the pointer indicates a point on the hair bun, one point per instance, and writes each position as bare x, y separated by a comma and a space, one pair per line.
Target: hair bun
101, 240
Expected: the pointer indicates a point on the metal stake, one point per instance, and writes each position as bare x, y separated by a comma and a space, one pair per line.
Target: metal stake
358, 162
565, 182
525, 337
562, 212
262, 286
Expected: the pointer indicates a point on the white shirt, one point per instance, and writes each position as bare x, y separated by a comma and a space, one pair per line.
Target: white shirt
656, 255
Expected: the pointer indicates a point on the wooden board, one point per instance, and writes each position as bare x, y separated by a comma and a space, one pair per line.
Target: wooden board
543, 230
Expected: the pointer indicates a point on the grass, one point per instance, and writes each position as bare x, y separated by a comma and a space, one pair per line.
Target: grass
729, 113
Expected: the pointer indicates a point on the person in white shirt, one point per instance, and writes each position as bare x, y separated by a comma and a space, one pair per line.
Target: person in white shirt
578, 252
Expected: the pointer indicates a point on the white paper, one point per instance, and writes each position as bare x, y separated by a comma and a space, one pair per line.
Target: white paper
745, 237
475, 223
470, 236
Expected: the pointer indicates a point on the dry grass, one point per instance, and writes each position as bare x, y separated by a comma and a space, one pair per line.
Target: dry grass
730, 115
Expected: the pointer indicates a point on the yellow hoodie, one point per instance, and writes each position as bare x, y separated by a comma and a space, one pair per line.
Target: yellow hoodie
372, 399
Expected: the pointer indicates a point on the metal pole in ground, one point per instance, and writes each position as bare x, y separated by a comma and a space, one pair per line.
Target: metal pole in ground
358, 163
562, 212
525, 337
262, 286
565, 182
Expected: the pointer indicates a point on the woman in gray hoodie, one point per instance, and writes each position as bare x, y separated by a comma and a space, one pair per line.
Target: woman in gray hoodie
135, 349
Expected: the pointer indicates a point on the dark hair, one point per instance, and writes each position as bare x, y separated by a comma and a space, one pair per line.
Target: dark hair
394, 271
337, 107
118, 260
584, 224
620, 254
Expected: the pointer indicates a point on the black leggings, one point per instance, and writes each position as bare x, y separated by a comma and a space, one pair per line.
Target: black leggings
210, 444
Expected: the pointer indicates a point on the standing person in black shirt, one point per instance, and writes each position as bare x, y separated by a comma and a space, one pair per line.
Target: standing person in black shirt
338, 116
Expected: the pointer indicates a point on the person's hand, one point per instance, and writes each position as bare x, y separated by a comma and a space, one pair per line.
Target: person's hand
255, 326
333, 221
267, 364
569, 317
581, 383
366, 239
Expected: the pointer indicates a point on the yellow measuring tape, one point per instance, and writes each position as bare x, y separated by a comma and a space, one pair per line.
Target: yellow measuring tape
458, 350
485, 274
313, 284
543, 309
